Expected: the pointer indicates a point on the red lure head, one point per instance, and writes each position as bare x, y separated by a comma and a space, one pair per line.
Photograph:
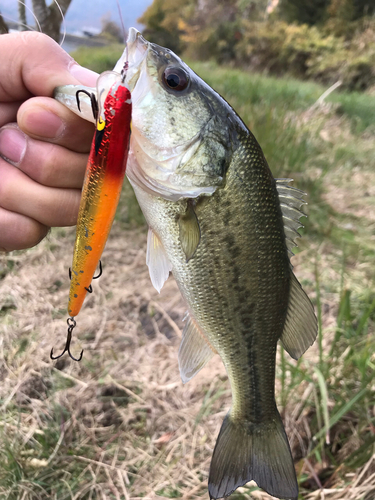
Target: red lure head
113, 133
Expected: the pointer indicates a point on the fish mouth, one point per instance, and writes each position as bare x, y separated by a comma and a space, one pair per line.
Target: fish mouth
136, 53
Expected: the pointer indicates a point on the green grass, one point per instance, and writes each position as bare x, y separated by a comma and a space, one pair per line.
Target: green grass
98, 59
238, 86
341, 401
247, 87
359, 107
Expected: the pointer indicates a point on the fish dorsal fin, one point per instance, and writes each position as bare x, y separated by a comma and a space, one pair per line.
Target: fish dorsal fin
301, 326
194, 352
291, 201
157, 261
190, 233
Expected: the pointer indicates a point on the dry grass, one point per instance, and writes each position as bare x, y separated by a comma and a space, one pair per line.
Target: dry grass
124, 401
120, 424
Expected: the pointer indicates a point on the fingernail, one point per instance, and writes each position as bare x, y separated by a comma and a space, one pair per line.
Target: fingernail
43, 123
12, 145
83, 75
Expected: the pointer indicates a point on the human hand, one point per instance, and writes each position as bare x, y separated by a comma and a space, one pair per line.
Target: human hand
43, 145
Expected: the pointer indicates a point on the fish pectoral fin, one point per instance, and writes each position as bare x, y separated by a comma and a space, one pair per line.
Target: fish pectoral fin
157, 261
301, 326
247, 451
189, 232
194, 352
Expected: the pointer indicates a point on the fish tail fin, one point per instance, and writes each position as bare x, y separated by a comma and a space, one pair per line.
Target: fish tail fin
259, 452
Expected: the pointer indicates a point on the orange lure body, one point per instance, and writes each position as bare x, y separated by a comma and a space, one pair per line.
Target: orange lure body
101, 191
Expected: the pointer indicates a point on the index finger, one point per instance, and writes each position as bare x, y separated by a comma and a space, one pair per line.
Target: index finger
34, 64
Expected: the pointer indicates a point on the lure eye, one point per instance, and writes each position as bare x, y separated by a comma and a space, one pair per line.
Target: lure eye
175, 78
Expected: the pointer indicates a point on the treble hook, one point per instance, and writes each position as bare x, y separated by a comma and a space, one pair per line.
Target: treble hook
94, 277
71, 324
89, 289
94, 102
100, 271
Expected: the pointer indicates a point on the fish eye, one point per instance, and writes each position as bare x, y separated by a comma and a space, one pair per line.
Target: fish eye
175, 78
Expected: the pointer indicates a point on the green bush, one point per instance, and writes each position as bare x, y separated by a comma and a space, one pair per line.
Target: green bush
279, 47
306, 52
334, 40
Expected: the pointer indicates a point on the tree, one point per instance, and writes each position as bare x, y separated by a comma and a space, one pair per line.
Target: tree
351, 10
49, 17
111, 30
3, 26
162, 20
22, 16
319, 11
304, 11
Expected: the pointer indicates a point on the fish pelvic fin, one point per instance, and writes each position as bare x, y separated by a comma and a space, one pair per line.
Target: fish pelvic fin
245, 451
157, 261
301, 325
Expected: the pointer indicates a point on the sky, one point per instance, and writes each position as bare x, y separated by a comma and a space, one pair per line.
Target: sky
87, 13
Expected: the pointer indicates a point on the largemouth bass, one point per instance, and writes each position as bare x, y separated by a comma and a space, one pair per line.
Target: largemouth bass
224, 226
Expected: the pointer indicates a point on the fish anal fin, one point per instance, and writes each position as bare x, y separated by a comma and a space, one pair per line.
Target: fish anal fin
157, 261
245, 451
189, 232
194, 351
301, 326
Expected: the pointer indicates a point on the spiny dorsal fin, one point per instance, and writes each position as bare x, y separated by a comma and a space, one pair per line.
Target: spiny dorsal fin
157, 261
190, 233
301, 326
194, 352
291, 201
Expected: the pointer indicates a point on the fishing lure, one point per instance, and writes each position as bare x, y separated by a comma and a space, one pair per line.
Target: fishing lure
101, 190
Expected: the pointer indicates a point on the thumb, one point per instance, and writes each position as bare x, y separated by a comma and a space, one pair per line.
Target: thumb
34, 64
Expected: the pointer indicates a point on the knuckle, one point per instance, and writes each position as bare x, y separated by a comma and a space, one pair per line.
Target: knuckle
44, 169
